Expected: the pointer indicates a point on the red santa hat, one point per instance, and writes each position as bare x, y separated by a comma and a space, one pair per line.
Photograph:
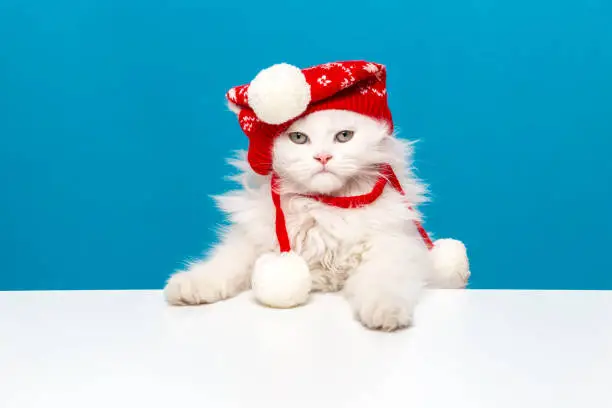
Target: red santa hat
281, 94
266, 107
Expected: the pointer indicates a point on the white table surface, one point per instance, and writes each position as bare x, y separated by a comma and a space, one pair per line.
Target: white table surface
473, 349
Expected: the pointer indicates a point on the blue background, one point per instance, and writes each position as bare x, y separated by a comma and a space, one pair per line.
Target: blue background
113, 129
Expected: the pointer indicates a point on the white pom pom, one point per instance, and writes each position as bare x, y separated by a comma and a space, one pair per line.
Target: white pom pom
279, 93
451, 264
281, 280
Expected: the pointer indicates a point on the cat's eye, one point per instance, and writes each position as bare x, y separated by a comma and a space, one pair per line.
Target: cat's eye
344, 136
298, 138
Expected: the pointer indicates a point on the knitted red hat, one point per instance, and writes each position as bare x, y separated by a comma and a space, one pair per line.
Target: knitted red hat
281, 94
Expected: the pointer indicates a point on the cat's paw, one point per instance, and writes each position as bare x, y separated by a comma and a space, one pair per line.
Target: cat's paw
387, 313
189, 288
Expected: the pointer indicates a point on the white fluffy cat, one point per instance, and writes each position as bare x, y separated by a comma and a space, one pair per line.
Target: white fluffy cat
374, 253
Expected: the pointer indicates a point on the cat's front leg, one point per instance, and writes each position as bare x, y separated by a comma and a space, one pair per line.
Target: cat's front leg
223, 274
384, 290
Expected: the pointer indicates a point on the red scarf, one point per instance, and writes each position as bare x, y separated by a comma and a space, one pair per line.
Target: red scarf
387, 175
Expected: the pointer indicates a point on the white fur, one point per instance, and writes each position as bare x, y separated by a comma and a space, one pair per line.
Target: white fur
224, 273
281, 280
374, 253
279, 93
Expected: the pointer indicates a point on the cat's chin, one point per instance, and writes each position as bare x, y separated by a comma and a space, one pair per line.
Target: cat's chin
325, 183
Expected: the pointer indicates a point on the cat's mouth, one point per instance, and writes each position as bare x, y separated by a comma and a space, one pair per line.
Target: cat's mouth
325, 174
324, 170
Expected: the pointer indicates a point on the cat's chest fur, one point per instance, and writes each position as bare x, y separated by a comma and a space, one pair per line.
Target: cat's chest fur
334, 240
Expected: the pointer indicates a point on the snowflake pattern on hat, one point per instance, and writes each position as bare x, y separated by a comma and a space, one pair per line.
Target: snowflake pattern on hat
246, 122
323, 80
372, 68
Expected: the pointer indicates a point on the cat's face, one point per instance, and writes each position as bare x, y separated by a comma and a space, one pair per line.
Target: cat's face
325, 150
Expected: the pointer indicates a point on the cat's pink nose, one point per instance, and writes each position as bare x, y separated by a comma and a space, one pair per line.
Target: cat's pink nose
323, 158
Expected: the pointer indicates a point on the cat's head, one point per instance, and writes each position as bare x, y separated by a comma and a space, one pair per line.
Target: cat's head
325, 151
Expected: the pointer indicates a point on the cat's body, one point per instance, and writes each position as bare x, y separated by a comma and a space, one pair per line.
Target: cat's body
374, 253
